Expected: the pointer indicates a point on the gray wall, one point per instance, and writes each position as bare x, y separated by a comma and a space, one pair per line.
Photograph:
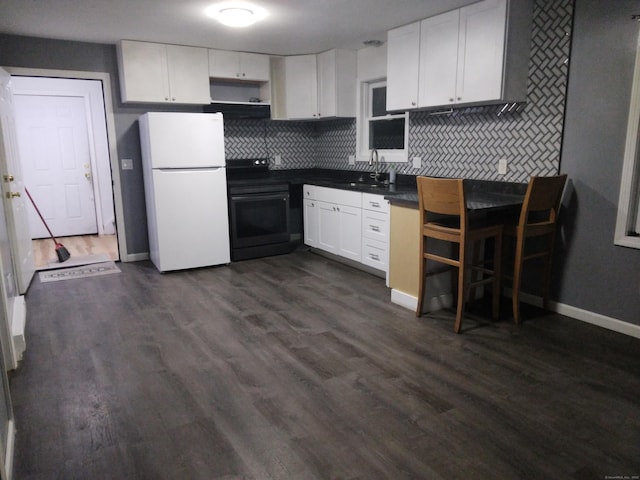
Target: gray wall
595, 274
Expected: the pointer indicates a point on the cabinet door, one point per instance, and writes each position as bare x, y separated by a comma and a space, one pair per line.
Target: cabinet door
301, 87
403, 56
481, 51
254, 66
327, 94
143, 72
310, 222
328, 227
439, 59
188, 74
350, 232
223, 64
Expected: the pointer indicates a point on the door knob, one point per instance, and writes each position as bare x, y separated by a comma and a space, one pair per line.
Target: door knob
11, 195
87, 176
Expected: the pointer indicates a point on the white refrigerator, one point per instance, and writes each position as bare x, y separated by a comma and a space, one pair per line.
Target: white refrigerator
185, 189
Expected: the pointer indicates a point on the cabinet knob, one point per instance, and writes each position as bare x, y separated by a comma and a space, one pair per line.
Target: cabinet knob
459, 98
11, 195
413, 104
451, 99
166, 99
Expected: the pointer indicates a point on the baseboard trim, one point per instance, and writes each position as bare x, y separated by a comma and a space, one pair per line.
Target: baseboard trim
135, 257
19, 320
597, 319
9, 454
410, 302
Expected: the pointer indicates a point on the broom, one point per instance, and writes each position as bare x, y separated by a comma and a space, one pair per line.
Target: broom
62, 253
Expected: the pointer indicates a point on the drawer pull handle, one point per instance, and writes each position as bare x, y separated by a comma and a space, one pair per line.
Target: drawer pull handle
375, 228
373, 256
374, 204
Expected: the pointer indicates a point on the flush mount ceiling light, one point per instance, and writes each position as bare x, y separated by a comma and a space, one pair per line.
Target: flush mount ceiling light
236, 14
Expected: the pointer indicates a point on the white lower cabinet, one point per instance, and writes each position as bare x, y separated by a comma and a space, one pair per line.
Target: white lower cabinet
375, 231
350, 224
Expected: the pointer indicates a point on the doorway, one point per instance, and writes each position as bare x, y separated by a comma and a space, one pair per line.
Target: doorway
62, 137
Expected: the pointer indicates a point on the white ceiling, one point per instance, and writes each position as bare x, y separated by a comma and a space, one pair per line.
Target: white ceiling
293, 26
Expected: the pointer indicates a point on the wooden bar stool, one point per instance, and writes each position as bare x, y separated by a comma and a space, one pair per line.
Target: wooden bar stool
538, 218
442, 203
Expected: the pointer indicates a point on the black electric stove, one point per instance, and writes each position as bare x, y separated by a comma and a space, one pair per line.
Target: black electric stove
258, 210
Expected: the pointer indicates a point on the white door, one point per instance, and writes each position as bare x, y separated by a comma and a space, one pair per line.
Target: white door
56, 161
13, 196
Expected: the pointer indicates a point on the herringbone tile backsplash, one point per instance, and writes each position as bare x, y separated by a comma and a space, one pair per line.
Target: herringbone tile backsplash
468, 142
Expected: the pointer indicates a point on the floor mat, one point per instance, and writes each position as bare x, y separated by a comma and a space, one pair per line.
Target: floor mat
93, 270
76, 260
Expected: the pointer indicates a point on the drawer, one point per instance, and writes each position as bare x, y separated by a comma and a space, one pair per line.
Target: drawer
375, 225
338, 196
375, 254
377, 203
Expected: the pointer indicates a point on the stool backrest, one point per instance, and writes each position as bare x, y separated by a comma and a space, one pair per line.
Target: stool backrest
443, 196
542, 199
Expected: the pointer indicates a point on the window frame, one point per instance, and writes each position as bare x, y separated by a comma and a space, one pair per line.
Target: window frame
628, 218
362, 126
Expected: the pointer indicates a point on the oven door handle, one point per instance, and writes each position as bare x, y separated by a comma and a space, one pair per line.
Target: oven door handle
262, 196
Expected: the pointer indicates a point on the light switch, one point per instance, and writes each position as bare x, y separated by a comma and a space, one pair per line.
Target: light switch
417, 162
352, 159
127, 164
277, 159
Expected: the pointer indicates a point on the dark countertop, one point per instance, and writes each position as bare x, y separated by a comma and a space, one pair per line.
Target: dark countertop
481, 194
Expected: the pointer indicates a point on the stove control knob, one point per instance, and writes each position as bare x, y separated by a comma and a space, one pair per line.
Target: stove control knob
256, 162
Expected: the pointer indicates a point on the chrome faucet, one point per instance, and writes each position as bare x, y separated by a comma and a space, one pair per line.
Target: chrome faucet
374, 162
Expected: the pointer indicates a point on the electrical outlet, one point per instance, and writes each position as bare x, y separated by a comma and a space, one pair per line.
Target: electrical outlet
502, 166
417, 162
352, 159
277, 159
127, 164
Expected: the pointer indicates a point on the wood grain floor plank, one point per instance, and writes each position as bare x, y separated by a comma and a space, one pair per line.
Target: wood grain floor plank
297, 367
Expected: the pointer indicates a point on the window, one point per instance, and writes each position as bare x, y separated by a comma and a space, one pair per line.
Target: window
628, 220
379, 129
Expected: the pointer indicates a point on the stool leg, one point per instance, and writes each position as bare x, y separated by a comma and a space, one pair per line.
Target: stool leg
497, 274
422, 280
517, 277
462, 286
546, 285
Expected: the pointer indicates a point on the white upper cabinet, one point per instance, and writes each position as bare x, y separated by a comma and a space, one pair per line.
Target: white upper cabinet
337, 83
239, 65
403, 57
301, 87
159, 73
439, 59
477, 54
314, 86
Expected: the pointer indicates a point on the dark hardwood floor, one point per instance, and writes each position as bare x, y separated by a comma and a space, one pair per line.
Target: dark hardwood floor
296, 367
